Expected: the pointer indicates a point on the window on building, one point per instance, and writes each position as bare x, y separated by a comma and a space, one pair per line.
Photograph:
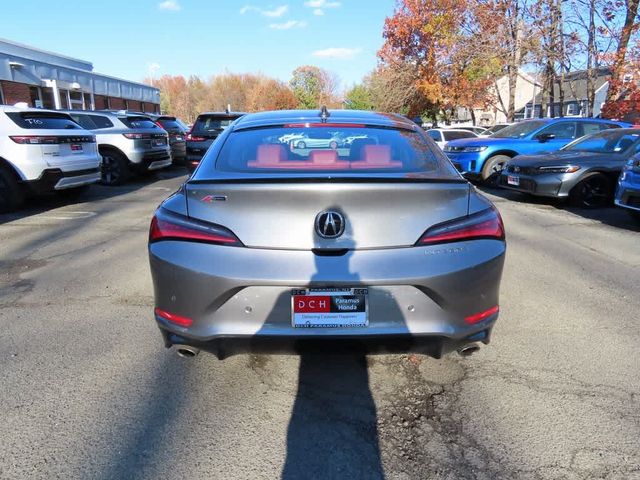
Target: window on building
143, 107
126, 104
64, 98
87, 101
75, 100
34, 97
572, 109
47, 97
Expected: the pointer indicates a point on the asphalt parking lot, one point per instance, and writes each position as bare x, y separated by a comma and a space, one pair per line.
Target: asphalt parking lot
88, 390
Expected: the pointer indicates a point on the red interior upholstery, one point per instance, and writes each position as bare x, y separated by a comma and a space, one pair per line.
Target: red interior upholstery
323, 157
376, 156
270, 155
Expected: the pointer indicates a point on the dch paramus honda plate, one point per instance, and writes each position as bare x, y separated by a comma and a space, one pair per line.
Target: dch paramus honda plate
376, 245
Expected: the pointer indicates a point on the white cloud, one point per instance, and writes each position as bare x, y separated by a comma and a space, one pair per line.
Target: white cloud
170, 5
337, 53
288, 25
318, 11
321, 4
275, 12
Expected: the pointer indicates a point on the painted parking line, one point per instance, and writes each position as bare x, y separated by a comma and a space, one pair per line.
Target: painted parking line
73, 215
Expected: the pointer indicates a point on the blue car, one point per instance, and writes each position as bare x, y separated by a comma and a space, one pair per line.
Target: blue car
483, 158
628, 191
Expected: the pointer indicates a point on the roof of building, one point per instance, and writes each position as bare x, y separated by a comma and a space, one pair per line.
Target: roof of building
575, 85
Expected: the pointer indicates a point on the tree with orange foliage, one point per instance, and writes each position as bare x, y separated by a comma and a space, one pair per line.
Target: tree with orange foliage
451, 47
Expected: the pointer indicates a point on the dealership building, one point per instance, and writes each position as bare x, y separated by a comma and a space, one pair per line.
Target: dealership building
49, 80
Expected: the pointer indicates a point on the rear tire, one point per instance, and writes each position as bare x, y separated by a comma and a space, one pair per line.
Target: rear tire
492, 168
593, 191
11, 192
115, 168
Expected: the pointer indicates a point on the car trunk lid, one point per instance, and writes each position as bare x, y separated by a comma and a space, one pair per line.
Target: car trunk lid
282, 215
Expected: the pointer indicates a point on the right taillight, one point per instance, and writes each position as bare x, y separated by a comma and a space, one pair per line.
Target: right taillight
486, 224
166, 225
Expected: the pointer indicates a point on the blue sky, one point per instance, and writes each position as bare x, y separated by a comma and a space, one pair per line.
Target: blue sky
131, 38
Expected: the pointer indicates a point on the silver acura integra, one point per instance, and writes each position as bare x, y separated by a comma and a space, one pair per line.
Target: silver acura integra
378, 245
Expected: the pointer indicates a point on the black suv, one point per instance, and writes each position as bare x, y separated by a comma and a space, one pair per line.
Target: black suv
205, 130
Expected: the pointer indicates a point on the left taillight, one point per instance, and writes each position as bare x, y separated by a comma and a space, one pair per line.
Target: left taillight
166, 225
482, 225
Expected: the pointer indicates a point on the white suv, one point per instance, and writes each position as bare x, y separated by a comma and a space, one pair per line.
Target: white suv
41, 151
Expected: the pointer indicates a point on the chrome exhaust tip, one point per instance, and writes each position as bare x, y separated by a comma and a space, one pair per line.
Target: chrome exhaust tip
468, 350
185, 351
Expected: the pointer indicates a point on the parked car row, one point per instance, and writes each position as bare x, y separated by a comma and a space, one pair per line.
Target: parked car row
587, 161
66, 150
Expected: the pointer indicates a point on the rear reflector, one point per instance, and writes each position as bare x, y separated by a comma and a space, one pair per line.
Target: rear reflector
478, 317
486, 224
173, 318
166, 225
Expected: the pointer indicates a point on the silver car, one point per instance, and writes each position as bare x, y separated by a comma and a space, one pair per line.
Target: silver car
128, 143
381, 246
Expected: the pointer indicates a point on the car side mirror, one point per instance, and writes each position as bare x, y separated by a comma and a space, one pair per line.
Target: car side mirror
545, 137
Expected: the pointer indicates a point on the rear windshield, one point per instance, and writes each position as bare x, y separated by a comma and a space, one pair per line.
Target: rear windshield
330, 149
138, 122
43, 121
456, 135
92, 122
170, 124
211, 125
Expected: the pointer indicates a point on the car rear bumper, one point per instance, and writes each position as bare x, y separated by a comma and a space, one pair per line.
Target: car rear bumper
56, 179
239, 299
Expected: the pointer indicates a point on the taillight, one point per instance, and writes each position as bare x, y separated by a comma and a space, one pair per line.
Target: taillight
173, 318
194, 138
137, 136
50, 139
478, 317
166, 225
159, 124
486, 224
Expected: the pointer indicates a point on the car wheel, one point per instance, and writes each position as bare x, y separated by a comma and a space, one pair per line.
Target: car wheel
333, 145
115, 168
492, 168
593, 191
302, 145
11, 193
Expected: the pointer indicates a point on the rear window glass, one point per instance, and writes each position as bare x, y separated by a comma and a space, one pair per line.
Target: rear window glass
170, 124
211, 125
138, 122
91, 122
43, 121
456, 135
329, 149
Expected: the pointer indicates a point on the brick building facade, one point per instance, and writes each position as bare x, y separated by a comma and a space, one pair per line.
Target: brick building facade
49, 80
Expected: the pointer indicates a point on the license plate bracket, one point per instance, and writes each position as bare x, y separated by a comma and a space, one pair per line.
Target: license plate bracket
513, 180
330, 308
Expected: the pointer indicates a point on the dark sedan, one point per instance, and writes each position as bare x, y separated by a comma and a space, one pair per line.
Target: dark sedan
584, 171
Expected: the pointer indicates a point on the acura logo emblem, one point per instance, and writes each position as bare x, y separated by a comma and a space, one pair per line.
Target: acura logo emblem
329, 224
